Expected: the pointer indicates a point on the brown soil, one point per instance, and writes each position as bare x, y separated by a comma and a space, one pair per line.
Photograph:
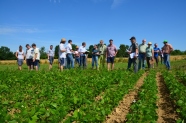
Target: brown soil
118, 115
166, 109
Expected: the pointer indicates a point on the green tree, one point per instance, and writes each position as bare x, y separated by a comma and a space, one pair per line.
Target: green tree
43, 54
6, 54
74, 47
122, 51
56, 52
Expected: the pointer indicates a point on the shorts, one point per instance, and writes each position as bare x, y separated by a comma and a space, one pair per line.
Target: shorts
51, 59
29, 62
20, 62
36, 62
110, 60
62, 61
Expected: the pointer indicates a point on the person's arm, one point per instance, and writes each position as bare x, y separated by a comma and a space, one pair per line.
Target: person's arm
23, 56
171, 48
48, 54
62, 49
106, 51
16, 55
137, 50
152, 54
116, 51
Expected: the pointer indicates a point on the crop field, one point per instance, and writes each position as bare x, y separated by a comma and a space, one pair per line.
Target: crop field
91, 96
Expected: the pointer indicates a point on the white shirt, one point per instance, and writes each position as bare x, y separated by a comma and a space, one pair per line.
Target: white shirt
82, 49
29, 53
62, 54
51, 52
36, 51
20, 54
69, 48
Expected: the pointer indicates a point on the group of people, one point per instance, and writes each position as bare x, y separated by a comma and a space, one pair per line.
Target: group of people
138, 55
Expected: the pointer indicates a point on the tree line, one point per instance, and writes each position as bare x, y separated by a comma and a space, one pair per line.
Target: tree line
7, 54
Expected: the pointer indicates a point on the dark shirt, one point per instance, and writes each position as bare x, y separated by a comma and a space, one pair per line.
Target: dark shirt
133, 47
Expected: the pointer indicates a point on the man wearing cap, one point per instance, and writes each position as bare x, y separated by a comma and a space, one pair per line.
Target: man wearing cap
29, 56
82, 50
133, 49
62, 53
142, 50
36, 56
167, 49
50, 54
102, 49
70, 60
149, 55
111, 52
77, 56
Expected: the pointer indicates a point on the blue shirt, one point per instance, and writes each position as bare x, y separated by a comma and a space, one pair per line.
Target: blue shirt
94, 51
156, 53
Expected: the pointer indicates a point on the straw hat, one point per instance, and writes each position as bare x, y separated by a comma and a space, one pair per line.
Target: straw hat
77, 47
150, 43
63, 40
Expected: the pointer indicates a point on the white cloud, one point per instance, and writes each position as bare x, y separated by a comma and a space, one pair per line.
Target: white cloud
116, 3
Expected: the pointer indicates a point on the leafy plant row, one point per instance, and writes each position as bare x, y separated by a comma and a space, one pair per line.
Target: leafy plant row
177, 92
144, 109
96, 111
182, 76
50, 96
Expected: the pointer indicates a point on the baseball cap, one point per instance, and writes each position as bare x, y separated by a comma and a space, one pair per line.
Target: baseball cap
132, 38
165, 41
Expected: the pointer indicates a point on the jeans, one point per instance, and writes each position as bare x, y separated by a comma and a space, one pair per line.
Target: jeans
135, 64
77, 59
101, 61
70, 61
167, 60
141, 61
94, 60
83, 61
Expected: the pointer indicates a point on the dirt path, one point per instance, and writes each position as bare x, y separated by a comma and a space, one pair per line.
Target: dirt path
166, 108
118, 115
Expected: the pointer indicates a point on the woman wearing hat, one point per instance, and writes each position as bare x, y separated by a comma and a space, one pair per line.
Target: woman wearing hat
62, 53
20, 57
95, 54
149, 55
77, 56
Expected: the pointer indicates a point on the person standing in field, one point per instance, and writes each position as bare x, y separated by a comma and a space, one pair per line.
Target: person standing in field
50, 54
29, 56
133, 49
82, 51
157, 52
142, 50
20, 57
62, 53
149, 55
77, 55
111, 52
101, 59
36, 56
95, 54
166, 50
70, 60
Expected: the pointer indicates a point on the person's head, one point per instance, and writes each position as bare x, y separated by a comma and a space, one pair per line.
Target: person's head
111, 41
20, 48
149, 44
63, 41
77, 47
156, 45
70, 41
165, 42
95, 46
101, 42
51, 47
143, 41
83, 44
34, 45
133, 40
27, 46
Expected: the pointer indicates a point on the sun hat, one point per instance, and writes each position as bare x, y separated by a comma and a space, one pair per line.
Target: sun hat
77, 47
150, 43
165, 41
63, 40
132, 38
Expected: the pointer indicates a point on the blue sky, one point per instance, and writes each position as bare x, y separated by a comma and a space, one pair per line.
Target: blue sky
45, 22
